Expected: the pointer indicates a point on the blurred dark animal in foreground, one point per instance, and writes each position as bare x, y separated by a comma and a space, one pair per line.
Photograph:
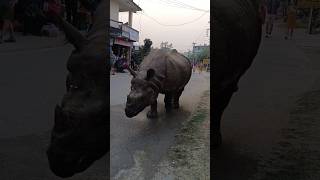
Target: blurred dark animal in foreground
236, 39
79, 135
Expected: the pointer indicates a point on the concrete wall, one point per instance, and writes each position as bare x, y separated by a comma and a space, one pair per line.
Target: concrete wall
114, 10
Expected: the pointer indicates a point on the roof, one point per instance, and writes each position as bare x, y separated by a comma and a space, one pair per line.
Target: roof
128, 5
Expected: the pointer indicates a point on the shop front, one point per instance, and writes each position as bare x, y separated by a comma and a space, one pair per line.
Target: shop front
121, 47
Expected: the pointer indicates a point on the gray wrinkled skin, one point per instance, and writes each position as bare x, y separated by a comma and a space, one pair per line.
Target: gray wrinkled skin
236, 37
162, 71
79, 134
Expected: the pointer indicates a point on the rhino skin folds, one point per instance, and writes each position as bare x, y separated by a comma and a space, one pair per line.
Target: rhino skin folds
162, 71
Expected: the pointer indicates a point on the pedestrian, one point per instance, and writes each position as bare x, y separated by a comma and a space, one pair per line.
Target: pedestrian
53, 6
194, 67
72, 12
132, 63
113, 61
200, 68
291, 21
7, 16
272, 9
262, 11
284, 7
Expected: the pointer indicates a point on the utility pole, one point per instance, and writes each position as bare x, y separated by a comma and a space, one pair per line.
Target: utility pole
193, 45
207, 34
208, 31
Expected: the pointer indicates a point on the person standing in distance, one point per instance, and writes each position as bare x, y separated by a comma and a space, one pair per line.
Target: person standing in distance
272, 9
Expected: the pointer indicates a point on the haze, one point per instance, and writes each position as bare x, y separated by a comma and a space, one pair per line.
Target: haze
156, 12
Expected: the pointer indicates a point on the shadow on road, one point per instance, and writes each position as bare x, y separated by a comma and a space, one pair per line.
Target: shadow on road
230, 164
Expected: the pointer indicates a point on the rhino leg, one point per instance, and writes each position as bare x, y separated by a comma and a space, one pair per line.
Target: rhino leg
153, 113
221, 100
176, 98
168, 101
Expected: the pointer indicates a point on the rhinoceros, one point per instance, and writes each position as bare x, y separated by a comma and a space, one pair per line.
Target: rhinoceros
80, 132
236, 39
162, 71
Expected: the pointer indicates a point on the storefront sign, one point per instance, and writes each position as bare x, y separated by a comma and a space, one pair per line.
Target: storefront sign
122, 42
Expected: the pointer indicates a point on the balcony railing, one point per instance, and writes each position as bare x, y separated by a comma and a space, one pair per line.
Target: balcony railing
130, 33
115, 24
126, 31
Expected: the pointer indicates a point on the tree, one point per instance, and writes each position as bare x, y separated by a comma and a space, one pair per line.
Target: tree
143, 51
147, 46
166, 45
204, 53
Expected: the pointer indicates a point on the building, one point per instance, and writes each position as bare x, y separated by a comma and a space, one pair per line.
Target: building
198, 55
122, 35
200, 48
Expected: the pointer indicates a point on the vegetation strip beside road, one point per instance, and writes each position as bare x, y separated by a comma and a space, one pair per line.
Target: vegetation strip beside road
296, 155
190, 156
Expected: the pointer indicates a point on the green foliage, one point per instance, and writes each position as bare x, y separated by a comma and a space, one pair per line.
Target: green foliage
199, 56
143, 51
203, 54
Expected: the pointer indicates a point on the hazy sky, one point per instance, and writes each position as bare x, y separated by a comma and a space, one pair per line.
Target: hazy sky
164, 12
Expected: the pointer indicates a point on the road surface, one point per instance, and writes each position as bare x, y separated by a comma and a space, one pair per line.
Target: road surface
139, 144
270, 128
32, 82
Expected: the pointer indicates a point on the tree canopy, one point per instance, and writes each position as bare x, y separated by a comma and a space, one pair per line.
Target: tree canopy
143, 51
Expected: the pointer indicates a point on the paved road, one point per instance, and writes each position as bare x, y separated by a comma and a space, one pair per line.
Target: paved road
31, 83
263, 114
139, 144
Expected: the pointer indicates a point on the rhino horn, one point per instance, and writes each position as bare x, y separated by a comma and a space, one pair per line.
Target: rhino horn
72, 34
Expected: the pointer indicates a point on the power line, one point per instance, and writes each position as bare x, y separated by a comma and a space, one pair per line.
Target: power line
201, 33
179, 4
189, 22
182, 5
185, 5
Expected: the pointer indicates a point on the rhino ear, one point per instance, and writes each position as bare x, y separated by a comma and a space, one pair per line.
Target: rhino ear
150, 74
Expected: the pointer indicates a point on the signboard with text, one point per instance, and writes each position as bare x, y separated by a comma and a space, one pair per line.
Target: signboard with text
122, 42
